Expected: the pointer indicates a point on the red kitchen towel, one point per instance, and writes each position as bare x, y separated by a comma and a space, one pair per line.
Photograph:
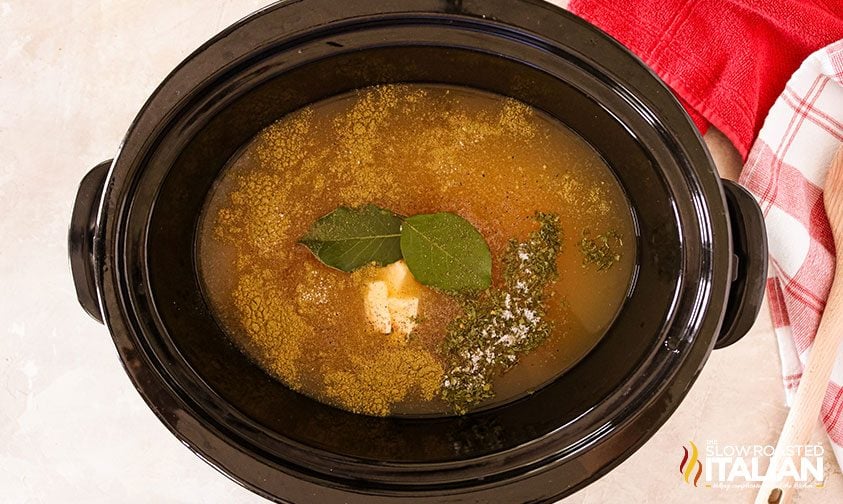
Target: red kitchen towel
727, 60
786, 172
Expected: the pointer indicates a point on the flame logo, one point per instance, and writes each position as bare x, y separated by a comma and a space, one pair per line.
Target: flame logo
690, 461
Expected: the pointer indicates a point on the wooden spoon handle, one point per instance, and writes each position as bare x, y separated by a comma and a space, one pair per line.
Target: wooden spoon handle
805, 411
803, 415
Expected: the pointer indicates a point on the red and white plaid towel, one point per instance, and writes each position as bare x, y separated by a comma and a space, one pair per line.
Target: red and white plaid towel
785, 170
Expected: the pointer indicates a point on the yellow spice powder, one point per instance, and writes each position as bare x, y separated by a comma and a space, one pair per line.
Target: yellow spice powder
273, 326
373, 383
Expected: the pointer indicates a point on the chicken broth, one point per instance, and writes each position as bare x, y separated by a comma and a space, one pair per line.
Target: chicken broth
520, 196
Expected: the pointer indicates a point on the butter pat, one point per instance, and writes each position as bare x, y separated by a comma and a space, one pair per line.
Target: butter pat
391, 301
395, 275
403, 313
400, 282
377, 307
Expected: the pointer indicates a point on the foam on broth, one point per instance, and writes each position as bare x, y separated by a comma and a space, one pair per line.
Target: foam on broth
410, 148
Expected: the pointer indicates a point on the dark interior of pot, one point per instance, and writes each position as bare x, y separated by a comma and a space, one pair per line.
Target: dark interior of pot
227, 388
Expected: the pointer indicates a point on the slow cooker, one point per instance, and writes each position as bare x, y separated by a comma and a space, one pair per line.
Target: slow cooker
698, 282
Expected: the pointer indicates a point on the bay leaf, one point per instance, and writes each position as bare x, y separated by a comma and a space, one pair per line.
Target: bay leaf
445, 251
349, 238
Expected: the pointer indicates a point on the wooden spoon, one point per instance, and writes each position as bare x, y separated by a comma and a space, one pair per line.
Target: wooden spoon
805, 411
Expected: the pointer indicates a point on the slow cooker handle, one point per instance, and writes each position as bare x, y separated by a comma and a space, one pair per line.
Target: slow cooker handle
749, 264
80, 238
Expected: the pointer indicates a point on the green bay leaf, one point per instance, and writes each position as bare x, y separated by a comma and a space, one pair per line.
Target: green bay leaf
349, 238
445, 251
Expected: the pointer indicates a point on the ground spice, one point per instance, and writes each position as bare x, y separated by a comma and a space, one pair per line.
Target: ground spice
517, 117
500, 324
358, 137
373, 383
272, 324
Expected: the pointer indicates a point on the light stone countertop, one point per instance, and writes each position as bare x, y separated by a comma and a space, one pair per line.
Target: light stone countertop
72, 428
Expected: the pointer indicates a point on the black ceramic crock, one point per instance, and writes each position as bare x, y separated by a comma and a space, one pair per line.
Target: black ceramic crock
701, 254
